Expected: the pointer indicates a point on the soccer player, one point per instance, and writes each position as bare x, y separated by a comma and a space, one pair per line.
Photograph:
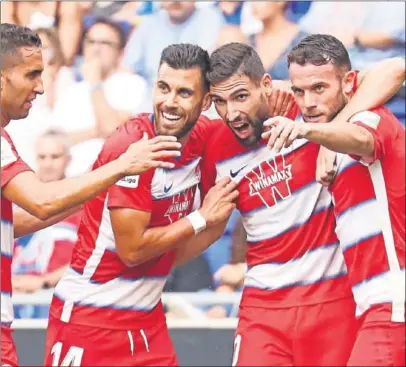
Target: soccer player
297, 307
107, 310
21, 68
368, 191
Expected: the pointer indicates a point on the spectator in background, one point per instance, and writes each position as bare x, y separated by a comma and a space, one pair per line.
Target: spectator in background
176, 22
232, 11
193, 276
41, 258
64, 15
102, 98
56, 78
277, 37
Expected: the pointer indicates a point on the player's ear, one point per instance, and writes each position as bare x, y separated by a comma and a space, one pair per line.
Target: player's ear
266, 84
348, 82
206, 102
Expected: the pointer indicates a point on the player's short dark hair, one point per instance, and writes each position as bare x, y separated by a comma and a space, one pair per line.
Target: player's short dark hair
12, 38
122, 36
235, 58
186, 56
320, 49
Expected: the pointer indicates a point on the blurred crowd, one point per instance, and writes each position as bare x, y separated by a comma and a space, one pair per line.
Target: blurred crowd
101, 60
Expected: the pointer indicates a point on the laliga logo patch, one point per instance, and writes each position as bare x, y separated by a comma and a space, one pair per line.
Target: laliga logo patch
130, 182
7, 154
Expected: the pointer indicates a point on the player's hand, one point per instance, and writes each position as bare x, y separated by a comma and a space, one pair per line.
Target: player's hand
150, 153
281, 132
326, 166
219, 202
281, 100
27, 283
231, 274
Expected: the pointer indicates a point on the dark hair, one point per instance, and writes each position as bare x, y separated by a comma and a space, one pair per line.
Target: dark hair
13, 37
320, 49
122, 36
186, 56
235, 58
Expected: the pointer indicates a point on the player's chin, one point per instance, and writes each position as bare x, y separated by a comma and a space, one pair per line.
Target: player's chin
169, 129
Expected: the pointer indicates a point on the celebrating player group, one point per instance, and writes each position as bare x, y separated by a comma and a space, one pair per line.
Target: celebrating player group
318, 175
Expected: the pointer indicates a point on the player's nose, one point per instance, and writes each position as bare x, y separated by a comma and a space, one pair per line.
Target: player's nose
232, 113
309, 101
39, 87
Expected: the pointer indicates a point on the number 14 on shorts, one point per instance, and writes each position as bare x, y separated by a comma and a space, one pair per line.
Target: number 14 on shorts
72, 359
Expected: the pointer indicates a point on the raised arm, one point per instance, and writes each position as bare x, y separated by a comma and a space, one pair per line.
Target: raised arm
375, 87
136, 243
45, 200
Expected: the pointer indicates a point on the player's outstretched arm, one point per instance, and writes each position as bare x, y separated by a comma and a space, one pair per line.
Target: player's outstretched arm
386, 77
375, 86
25, 223
45, 200
136, 243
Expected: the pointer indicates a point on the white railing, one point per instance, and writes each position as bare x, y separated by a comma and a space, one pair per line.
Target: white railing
185, 305
230, 323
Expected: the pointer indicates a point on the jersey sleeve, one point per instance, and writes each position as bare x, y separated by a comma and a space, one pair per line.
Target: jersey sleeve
132, 192
380, 128
11, 163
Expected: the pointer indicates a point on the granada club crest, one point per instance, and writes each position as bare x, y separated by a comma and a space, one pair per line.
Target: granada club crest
270, 180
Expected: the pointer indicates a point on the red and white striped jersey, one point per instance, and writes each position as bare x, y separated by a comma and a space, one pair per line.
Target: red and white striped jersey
99, 289
370, 208
11, 166
293, 256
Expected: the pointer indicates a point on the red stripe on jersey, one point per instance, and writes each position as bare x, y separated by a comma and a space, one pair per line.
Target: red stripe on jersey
324, 291
109, 318
317, 232
6, 274
88, 232
6, 212
366, 259
111, 267
352, 198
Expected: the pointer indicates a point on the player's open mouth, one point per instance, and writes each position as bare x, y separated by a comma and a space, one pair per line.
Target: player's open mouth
170, 118
242, 129
240, 126
312, 118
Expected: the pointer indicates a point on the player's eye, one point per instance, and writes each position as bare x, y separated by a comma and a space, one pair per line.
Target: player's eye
242, 97
185, 94
218, 101
319, 88
297, 91
163, 88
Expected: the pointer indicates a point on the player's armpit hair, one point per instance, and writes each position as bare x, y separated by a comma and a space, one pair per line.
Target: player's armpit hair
235, 58
12, 38
320, 49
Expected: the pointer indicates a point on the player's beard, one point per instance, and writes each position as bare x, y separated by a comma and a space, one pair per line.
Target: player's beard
341, 102
181, 132
256, 123
186, 128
